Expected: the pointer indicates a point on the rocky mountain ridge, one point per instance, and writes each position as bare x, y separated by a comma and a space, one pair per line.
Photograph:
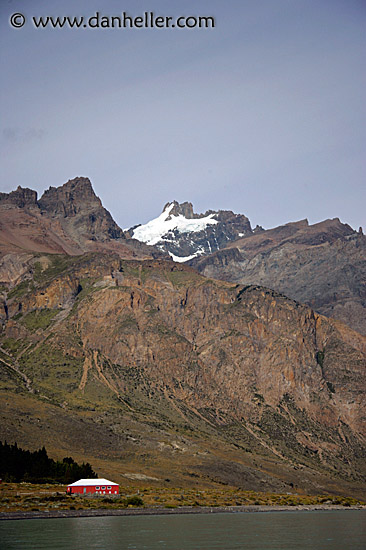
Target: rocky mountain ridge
69, 219
322, 265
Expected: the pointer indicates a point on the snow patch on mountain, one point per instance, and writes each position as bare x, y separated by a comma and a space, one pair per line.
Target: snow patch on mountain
154, 231
181, 259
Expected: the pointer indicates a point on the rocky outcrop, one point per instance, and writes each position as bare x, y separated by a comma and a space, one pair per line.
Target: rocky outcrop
184, 209
80, 212
66, 220
20, 197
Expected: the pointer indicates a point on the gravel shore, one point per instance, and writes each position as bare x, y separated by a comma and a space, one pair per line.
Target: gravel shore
53, 514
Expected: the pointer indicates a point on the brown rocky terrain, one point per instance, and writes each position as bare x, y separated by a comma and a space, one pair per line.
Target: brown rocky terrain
322, 265
66, 220
157, 374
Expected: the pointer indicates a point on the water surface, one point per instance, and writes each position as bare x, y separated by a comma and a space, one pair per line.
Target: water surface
245, 531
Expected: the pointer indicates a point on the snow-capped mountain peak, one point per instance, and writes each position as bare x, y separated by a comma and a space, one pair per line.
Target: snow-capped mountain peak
155, 230
185, 235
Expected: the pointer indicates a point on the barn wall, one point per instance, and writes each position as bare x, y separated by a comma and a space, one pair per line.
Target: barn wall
79, 490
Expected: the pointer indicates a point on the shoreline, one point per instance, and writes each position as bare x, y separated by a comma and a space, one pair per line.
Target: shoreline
55, 514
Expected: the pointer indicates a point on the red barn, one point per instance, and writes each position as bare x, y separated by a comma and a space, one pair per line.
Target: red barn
95, 486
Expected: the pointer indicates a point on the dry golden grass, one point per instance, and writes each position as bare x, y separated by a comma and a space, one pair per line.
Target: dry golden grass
24, 497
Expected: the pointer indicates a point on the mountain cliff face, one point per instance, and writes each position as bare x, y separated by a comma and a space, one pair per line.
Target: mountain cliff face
65, 220
80, 212
322, 265
185, 235
146, 366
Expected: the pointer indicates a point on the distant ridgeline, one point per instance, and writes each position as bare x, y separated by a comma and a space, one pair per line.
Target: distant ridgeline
36, 467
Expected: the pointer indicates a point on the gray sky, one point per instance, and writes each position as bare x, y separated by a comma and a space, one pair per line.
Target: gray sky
263, 115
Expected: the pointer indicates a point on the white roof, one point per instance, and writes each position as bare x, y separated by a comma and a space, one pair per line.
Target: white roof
86, 482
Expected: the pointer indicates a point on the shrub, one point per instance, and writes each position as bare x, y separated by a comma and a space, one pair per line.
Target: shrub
134, 501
